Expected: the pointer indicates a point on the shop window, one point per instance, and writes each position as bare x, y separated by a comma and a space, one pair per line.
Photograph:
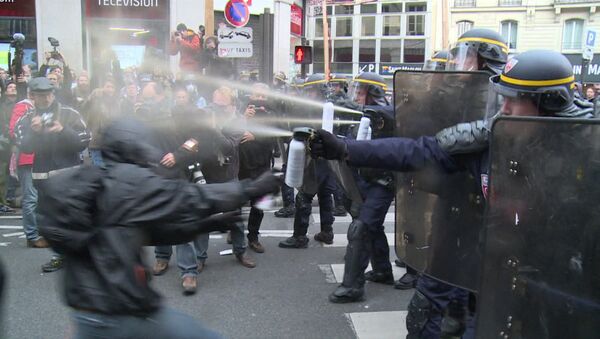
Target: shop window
318, 10
391, 25
573, 34
343, 26
366, 50
342, 51
508, 29
464, 26
415, 25
391, 8
367, 26
341, 10
414, 50
318, 51
416, 7
319, 26
368, 9
391, 51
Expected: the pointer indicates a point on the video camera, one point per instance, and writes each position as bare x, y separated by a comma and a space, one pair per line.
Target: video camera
16, 63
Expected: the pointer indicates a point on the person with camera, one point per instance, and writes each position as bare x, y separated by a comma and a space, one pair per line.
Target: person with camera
60, 77
187, 43
56, 134
256, 153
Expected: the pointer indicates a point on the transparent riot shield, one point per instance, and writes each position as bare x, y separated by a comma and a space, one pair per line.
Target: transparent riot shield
541, 265
439, 215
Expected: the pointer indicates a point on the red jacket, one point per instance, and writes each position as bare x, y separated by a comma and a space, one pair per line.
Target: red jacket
20, 109
189, 48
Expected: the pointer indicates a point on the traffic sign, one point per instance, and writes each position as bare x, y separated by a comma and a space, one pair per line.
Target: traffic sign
237, 13
242, 34
303, 54
590, 38
235, 50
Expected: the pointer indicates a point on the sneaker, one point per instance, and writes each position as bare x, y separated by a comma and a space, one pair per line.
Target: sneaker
189, 284
39, 243
160, 267
386, 278
286, 212
325, 237
294, 242
339, 211
54, 264
256, 246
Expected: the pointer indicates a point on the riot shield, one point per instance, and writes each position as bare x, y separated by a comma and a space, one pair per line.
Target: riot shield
438, 215
541, 265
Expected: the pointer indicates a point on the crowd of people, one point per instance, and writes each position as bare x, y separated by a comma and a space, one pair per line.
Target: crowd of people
134, 125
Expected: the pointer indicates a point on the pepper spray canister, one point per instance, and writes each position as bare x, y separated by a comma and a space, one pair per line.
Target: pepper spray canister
297, 157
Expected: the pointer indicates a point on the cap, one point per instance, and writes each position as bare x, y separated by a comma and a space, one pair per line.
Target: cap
40, 84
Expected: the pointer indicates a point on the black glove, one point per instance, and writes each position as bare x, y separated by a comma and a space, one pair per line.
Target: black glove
267, 183
328, 146
220, 222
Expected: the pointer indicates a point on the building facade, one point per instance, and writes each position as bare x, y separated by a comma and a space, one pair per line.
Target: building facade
558, 25
379, 36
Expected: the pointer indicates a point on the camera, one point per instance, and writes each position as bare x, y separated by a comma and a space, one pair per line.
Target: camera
54, 42
47, 119
17, 41
201, 29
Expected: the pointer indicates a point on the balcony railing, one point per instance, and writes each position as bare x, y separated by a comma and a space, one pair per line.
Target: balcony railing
569, 2
465, 3
510, 2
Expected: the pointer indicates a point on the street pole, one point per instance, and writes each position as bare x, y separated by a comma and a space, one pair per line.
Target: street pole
325, 40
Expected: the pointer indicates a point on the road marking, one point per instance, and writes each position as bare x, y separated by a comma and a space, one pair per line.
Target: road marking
11, 217
12, 234
10, 227
338, 272
379, 325
4, 244
389, 218
341, 240
329, 275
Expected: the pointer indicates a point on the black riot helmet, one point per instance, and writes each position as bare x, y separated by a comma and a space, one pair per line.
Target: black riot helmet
338, 82
316, 86
478, 49
368, 88
437, 62
539, 79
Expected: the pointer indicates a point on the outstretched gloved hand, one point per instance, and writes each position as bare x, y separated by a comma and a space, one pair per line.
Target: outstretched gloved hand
328, 146
265, 184
221, 221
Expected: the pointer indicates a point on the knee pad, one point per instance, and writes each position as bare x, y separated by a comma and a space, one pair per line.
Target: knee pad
419, 310
357, 230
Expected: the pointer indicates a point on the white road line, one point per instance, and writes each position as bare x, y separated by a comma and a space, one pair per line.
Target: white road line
215, 236
12, 234
341, 240
379, 325
11, 217
329, 274
389, 217
338, 272
10, 227
4, 244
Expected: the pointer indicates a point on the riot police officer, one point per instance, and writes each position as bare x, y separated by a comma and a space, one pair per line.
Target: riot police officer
320, 182
437, 62
534, 83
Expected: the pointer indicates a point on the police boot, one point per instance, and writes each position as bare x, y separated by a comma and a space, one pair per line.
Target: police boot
406, 282
326, 235
386, 278
300, 241
285, 212
352, 288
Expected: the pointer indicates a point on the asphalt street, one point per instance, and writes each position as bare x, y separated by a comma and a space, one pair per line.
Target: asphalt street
285, 296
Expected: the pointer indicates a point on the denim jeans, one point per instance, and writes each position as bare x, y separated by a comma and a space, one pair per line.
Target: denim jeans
29, 204
163, 252
96, 156
164, 323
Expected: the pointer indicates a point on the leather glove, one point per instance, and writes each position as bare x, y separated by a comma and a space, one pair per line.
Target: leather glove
221, 222
266, 183
328, 146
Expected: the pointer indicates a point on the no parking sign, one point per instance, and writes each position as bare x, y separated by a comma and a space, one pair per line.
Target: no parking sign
237, 13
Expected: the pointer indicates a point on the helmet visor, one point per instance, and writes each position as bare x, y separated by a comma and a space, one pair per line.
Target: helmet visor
463, 57
358, 92
434, 65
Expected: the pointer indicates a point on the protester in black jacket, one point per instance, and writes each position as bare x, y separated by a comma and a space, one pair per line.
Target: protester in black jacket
101, 223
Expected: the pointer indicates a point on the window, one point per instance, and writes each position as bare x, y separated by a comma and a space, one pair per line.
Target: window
367, 26
340, 10
416, 7
391, 25
464, 26
508, 29
414, 50
366, 50
573, 34
318, 51
391, 8
319, 12
415, 25
342, 56
391, 51
343, 26
368, 9
464, 3
319, 26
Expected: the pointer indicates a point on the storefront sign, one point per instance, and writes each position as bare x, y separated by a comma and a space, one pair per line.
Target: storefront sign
592, 70
17, 8
296, 20
235, 50
390, 69
132, 9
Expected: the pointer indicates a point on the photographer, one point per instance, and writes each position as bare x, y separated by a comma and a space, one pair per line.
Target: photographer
187, 43
56, 134
256, 153
60, 78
